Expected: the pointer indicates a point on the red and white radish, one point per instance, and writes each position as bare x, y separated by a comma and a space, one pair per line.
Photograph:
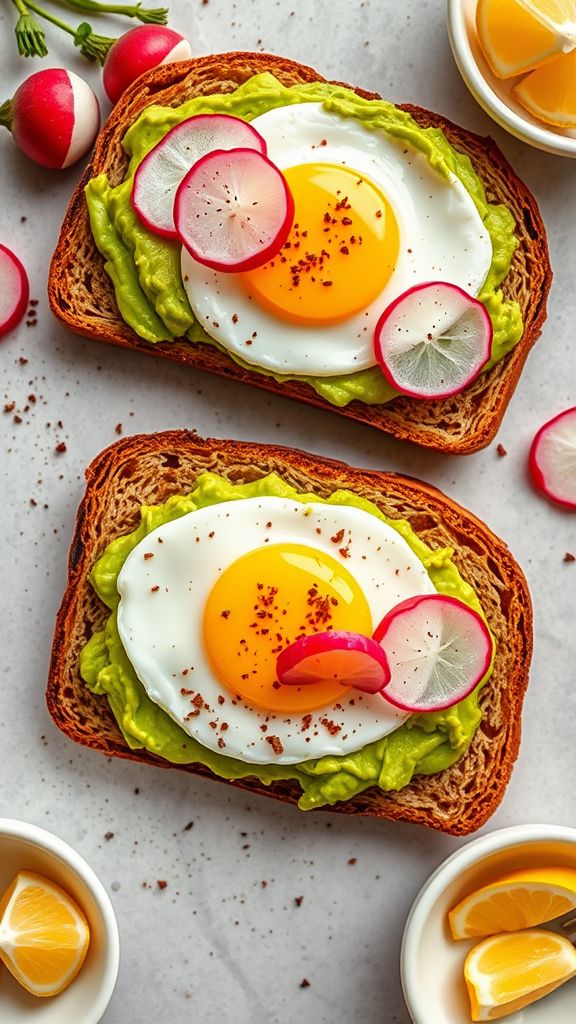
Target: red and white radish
138, 51
433, 340
438, 650
233, 210
553, 459
164, 167
14, 290
353, 659
53, 116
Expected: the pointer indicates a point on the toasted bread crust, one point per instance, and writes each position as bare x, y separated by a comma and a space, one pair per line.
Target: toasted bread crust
82, 298
147, 469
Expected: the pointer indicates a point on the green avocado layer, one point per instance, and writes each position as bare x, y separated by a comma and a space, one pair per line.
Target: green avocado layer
145, 268
424, 744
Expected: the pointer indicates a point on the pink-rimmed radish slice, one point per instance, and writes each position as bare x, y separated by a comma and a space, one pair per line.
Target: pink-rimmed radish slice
353, 659
233, 210
553, 459
438, 650
164, 167
14, 290
54, 117
433, 340
140, 50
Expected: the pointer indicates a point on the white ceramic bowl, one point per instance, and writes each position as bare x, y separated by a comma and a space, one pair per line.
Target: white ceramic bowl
495, 95
24, 846
432, 962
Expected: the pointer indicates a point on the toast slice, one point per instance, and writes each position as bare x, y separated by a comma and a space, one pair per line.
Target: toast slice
148, 469
82, 298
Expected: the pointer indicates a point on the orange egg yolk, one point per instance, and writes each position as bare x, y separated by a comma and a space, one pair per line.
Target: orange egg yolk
264, 601
341, 251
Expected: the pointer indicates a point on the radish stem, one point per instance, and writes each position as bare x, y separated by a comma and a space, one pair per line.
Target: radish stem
29, 35
149, 16
93, 46
6, 114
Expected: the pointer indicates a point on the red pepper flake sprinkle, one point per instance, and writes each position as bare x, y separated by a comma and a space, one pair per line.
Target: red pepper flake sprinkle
352, 860
338, 537
225, 613
60, 447
298, 900
221, 743
118, 428
275, 743
569, 557
332, 727
161, 883
147, 555
304, 983
501, 450
154, 589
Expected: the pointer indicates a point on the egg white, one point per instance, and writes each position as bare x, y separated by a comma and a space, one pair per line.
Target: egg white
442, 238
162, 601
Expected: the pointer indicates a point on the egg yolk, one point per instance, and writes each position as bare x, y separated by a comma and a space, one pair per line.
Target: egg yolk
264, 601
340, 253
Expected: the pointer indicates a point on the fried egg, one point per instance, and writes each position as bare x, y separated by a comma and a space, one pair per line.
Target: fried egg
372, 218
208, 600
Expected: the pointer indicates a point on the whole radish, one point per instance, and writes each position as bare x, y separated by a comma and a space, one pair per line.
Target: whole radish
53, 116
138, 51
14, 290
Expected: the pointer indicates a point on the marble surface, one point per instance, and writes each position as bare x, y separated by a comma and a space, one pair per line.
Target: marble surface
226, 940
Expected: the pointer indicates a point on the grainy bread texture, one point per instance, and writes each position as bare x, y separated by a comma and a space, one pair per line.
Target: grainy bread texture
148, 469
82, 298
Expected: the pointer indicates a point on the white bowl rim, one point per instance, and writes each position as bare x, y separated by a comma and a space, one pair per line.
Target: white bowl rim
455, 864
41, 837
507, 118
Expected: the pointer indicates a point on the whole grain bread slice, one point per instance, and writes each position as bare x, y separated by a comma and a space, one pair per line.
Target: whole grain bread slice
82, 298
148, 469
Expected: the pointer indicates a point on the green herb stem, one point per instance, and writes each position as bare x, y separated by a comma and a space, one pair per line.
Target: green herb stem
150, 16
29, 35
92, 46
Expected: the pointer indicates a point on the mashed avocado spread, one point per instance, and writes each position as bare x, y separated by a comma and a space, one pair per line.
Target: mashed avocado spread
425, 743
145, 268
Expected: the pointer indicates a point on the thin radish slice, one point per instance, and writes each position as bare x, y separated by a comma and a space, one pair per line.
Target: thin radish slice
353, 659
553, 459
438, 650
433, 340
234, 210
164, 167
14, 290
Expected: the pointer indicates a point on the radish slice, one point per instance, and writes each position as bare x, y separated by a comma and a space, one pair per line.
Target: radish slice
433, 340
164, 167
233, 211
14, 290
353, 659
553, 459
438, 650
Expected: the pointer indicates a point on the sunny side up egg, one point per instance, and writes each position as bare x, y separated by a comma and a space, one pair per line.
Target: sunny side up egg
207, 602
372, 218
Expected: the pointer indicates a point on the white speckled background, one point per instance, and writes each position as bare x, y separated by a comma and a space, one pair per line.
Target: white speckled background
225, 941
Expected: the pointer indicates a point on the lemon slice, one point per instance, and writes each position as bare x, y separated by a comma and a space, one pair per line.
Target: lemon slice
521, 899
550, 92
44, 935
508, 972
519, 35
